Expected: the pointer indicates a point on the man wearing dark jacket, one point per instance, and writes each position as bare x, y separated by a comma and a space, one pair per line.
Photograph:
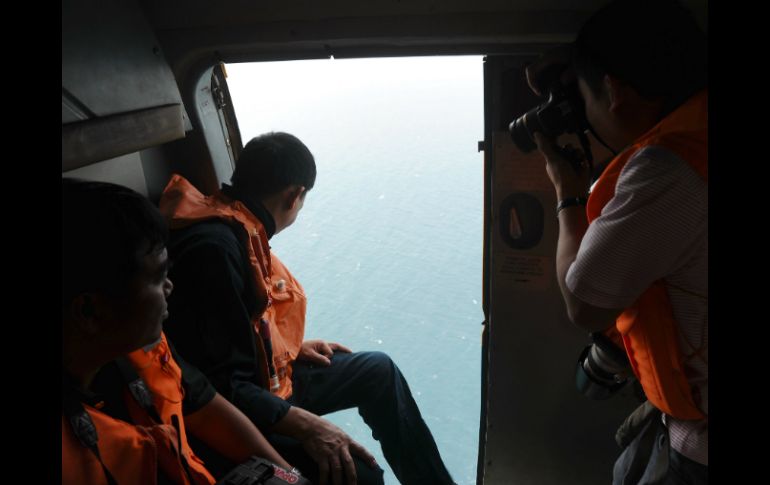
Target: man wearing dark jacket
239, 315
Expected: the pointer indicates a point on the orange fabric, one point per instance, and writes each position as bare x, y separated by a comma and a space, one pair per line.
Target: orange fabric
163, 377
287, 316
128, 452
284, 298
134, 452
648, 328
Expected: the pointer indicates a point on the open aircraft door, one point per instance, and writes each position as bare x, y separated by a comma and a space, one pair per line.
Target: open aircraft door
536, 428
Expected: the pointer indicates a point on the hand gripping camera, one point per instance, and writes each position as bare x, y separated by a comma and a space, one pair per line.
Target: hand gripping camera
563, 112
603, 368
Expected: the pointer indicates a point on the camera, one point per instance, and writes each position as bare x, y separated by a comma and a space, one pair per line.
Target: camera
603, 368
258, 471
563, 112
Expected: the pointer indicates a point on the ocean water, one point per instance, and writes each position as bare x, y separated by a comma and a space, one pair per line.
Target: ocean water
388, 245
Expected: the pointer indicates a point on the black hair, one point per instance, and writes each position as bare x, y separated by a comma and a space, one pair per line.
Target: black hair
656, 46
271, 162
106, 230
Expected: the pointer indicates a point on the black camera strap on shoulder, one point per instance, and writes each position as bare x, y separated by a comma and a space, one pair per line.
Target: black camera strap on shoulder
84, 428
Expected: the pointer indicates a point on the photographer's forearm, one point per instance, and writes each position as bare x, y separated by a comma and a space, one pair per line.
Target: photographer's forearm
227, 430
573, 224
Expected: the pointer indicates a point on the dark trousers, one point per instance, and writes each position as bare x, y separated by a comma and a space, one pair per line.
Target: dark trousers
647, 457
684, 471
371, 382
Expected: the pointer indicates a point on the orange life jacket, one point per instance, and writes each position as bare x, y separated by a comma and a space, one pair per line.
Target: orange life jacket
133, 452
282, 299
647, 328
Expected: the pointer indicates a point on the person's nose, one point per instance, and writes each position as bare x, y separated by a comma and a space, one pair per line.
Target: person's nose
168, 287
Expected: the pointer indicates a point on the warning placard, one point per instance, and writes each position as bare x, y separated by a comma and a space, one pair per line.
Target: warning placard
524, 219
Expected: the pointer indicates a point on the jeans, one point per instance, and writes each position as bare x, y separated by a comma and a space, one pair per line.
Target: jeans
371, 382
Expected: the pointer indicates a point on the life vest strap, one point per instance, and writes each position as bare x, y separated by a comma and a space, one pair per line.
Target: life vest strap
141, 393
138, 388
84, 428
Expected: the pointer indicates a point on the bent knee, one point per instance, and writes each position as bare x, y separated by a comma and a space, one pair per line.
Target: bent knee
379, 363
369, 476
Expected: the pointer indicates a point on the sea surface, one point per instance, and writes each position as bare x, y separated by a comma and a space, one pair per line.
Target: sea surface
388, 245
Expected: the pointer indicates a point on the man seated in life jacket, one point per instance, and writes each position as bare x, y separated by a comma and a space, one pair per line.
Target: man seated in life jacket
239, 315
632, 259
128, 401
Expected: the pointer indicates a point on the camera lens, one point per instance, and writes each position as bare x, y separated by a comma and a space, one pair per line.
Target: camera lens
520, 134
595, 381
562, 113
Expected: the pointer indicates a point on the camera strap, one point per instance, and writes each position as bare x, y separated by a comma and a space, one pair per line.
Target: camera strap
599, 139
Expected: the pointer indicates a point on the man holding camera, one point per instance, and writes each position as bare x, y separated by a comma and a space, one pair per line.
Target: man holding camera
632, 257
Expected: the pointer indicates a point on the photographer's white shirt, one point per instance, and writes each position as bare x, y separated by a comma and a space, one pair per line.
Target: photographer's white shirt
656, 226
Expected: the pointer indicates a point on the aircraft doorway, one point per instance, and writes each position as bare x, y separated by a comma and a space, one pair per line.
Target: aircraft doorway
389, 243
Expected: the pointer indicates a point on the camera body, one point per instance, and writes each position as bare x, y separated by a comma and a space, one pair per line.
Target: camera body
258, 471
603, 368
563, 112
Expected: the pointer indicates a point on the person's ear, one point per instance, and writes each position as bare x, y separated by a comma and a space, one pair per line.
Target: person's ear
295, 194
617, 92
